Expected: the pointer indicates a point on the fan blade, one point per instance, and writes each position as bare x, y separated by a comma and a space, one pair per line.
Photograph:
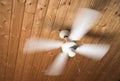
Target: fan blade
35, 44
83, 22
58, 65
93, 51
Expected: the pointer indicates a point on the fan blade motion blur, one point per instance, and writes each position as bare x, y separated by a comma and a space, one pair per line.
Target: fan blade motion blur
94, 51
84, 21
36, 44
58, 65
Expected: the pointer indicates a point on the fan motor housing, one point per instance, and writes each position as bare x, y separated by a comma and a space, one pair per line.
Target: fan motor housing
64, 33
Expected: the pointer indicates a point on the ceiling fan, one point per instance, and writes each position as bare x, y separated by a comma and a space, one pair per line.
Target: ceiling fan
84, 21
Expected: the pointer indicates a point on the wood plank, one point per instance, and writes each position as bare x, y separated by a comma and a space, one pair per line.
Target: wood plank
15, 31
58, 25
60, 17
22, 69
112, 69
69, 19
47, 25
5, 20
103, 63
54, 33
29, 57
50, 18
107, 20
39, 17
40, 14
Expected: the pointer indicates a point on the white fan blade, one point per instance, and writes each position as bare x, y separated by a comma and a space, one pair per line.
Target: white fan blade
93, 51
58, 65
84, 21
35, 44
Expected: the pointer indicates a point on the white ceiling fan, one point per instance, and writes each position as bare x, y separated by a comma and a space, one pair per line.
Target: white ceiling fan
84, 21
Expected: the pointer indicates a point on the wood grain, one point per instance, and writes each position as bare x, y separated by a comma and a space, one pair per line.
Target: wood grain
40, 14
21, 74
5, 21
22, 19
15, 32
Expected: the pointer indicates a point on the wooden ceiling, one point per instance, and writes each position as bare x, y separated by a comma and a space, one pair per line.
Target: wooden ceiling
21, 19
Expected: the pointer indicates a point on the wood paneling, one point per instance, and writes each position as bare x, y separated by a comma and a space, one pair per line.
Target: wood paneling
15, 32
5, 22
21, 19
28, 18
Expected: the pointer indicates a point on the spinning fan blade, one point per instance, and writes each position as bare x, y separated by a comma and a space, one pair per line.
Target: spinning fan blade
93, 51
84, 21
35, 44
58, 65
